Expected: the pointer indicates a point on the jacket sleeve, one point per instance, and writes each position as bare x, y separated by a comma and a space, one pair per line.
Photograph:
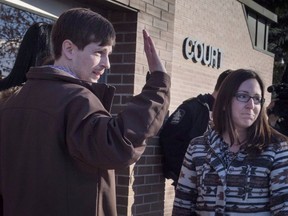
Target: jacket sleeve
177, 126
186, 190
175, 136
97, 139
279, 182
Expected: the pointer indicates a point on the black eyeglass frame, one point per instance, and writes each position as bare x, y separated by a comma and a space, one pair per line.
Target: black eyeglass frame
254, 98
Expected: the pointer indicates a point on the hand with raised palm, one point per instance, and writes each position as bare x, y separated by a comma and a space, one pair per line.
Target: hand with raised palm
153, 59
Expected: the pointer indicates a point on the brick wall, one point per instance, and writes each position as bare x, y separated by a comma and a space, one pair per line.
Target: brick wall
122, 71
221, 24
157, 17
141, 189
128, 62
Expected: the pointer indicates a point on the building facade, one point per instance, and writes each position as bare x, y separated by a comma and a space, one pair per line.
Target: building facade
196, 41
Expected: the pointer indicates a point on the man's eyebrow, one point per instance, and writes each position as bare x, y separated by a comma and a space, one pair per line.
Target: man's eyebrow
103, 49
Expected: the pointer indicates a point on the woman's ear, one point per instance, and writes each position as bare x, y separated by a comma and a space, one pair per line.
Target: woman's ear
68, 49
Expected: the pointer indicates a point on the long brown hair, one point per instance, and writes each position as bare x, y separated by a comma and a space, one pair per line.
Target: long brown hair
259, 134
34, 50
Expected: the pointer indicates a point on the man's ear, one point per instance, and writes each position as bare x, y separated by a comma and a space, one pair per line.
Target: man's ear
68, 48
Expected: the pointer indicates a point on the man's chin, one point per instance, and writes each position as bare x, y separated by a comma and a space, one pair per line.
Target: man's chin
94, 80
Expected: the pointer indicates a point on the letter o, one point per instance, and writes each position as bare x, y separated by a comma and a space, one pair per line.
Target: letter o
198, 51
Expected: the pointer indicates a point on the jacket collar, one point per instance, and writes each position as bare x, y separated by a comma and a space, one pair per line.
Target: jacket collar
214, 141
104, 92
207, 100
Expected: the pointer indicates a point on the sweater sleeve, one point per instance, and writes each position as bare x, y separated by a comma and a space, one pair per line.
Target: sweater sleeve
279, 182
186, 190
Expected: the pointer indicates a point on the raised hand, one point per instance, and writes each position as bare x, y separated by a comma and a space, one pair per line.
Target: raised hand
153, 59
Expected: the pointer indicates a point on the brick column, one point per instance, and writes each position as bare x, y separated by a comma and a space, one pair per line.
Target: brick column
142, 189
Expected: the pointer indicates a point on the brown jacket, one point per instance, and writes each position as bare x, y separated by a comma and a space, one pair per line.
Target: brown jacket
59, 145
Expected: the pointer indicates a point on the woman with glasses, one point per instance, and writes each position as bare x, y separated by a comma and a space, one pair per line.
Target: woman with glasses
240, 167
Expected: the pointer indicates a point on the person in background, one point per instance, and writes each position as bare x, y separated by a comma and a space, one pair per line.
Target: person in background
240, 166
277, 110
34, 50
191, 119
59, 144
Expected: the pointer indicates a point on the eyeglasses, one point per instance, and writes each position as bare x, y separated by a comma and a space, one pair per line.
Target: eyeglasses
242, 97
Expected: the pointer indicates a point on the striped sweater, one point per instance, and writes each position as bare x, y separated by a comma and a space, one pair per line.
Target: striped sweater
209, 185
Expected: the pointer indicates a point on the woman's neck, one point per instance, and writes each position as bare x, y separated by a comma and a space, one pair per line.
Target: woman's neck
239, 140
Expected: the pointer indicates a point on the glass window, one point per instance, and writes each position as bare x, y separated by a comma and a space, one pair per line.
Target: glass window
13, 24
258, 28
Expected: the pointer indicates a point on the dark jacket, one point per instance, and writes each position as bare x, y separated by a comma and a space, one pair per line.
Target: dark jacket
59, 145
189, 120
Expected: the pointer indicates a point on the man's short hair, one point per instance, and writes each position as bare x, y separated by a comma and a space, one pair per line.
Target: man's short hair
82, 26
221, 78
